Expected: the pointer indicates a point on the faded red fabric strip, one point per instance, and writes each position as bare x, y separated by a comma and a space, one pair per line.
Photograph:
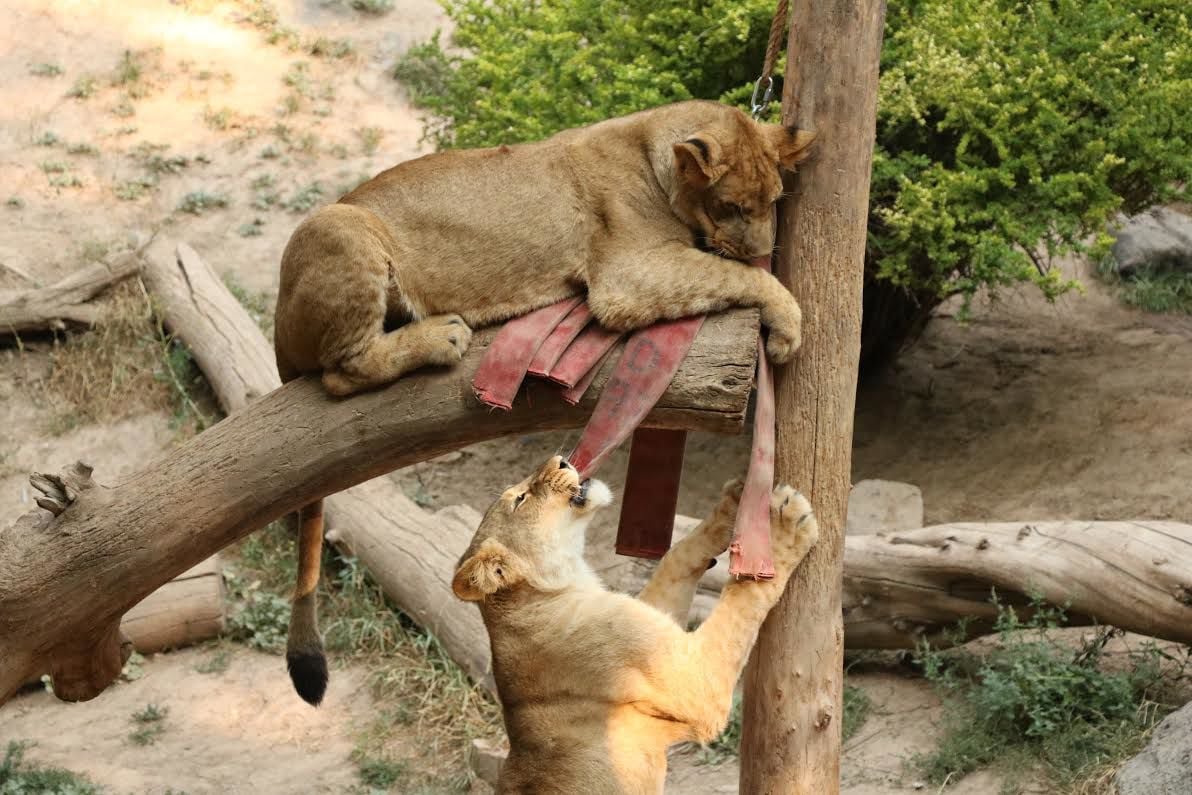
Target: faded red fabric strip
559, 339
750, 552
644, 371
583, 356
504, 365
574, 394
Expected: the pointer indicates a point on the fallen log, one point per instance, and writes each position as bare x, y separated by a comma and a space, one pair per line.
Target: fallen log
111, 547
903, 588
68, 302
186, 610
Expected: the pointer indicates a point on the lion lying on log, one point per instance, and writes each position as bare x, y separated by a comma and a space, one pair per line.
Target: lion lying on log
649, 214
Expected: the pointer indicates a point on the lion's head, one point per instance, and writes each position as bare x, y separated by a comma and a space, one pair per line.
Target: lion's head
727, 180
533, 533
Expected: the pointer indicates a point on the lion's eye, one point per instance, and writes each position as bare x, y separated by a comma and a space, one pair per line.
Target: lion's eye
519, 499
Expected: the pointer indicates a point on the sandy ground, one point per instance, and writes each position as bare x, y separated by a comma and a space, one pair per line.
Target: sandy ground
1029, 411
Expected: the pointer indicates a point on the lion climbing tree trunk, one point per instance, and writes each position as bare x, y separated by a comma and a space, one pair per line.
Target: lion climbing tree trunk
793, 684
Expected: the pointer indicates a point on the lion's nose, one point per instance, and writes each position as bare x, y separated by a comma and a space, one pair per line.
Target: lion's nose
563, 464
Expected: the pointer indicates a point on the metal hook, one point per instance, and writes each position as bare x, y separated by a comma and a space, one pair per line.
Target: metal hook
756, 108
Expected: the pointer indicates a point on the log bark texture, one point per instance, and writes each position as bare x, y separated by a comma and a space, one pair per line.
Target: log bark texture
197, 308
791, 722
67, 302
905, 587
111, 547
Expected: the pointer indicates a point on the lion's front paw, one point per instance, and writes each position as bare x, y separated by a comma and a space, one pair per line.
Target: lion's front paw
786, 330
445, 339
793, 528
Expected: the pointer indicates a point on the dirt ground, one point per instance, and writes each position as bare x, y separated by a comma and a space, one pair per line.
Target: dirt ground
1082, 409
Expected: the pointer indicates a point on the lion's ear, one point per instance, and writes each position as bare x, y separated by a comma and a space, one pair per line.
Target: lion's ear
487, 570
698, 161
793, 144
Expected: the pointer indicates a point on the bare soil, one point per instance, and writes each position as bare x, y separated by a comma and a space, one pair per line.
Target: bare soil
1027, 411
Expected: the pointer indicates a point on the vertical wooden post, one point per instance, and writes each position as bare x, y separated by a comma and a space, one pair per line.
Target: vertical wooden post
793, 684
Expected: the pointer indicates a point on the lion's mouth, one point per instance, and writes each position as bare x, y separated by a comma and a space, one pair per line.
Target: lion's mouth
580, 498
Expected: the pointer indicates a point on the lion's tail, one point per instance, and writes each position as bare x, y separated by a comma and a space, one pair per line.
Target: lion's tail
304, 648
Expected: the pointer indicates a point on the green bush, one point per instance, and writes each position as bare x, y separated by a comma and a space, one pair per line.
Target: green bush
1033, 702
1007, 131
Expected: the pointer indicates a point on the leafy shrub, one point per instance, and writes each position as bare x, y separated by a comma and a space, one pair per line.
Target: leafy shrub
1007, 131
1034, 700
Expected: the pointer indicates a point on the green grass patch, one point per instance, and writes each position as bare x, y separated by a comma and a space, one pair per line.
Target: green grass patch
45, 70
18, 777
304, 199
413, 680
149, 724
83, 88
377, 7
1034, 706
1160, 290
200, 201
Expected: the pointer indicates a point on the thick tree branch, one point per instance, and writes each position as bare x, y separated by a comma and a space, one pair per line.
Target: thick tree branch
113, 546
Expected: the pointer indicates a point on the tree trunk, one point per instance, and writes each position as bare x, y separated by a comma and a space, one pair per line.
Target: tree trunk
65, 303
790, 739
111, 547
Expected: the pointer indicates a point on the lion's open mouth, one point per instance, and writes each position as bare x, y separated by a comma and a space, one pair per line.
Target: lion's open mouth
580, 498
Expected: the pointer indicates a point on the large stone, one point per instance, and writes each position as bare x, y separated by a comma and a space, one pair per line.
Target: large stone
1158, 239
1165, 766
878, 506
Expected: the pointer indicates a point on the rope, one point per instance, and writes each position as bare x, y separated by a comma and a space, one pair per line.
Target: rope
777, 28
763, 89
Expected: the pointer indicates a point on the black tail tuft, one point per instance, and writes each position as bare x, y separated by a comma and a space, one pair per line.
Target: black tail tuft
308, 672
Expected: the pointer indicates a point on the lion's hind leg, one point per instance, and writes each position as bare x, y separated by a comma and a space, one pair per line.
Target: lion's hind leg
385, 357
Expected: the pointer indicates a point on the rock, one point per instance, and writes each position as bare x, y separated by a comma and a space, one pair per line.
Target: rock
1165, 766
485, 758
1158, 239
876, 506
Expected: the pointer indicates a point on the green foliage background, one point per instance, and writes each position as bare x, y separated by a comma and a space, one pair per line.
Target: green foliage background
1008, 132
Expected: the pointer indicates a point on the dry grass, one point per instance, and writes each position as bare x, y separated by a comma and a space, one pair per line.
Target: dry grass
124, 366
419, 691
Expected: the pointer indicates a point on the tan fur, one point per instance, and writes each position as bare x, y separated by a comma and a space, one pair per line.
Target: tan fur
596, 685
392, 277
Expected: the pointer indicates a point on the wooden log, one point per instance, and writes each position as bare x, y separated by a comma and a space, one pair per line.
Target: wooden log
110, 547
793, 705
412, 554
65, 303
186, 610
917, 585
195, 306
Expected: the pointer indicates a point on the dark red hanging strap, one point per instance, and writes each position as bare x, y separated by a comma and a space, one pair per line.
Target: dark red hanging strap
651, 495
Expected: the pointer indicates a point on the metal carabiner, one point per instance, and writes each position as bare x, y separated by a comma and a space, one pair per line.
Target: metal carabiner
756, 108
